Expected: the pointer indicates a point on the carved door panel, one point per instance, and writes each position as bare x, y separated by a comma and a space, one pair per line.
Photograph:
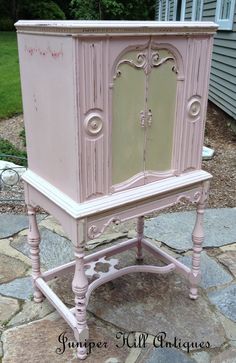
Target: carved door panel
161, 100
143, 112
127, 131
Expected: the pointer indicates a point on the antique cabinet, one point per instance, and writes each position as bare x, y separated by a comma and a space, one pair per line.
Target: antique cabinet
114, 115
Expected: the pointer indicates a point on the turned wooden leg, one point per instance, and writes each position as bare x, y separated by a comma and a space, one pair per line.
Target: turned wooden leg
80, 287
34, 241
198, 238
140, 228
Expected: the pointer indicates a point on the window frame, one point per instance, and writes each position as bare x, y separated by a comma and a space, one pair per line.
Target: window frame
224, 24
194, 9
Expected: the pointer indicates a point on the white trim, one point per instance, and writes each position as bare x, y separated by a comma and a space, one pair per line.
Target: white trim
224, 24
101, 204
194, 8
175, 10
160, 10
167, 13
183, 8
115, 27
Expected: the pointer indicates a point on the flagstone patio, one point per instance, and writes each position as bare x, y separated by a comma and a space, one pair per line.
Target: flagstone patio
154, 309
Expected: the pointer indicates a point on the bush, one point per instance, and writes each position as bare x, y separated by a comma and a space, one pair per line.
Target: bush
23, 137
47, 10
6, 24
7, 148
113, 9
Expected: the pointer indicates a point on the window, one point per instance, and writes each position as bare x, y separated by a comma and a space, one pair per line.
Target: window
197, 10
166, 10
225, 14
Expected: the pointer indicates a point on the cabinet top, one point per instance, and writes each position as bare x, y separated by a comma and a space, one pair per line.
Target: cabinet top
72, 27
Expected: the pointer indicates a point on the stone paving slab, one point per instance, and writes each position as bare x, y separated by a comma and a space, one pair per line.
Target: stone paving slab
104, 239
41, 338
166, 355
19, 288
157, 304
229, 260
175, 229
212, 273
31, 311
8, 307
6, 249
225, 300
54, 249
150, 303
228, 356
201, 357
53, 225
228, 248
11, 268
11, 224
229, 326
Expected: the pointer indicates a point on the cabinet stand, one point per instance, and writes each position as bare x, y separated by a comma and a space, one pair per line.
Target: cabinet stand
89, 221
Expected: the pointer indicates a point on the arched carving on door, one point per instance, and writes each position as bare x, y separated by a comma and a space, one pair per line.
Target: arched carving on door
131, 115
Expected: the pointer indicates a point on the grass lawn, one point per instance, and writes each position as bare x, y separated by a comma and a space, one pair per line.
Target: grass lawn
10, 92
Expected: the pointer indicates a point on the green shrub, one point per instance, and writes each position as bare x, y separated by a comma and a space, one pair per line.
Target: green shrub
7, 148
47, 10
22, 136
6, 24
113, 9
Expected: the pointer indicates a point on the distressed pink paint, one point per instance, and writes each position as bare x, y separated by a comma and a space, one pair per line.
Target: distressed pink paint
68, 110
44, 52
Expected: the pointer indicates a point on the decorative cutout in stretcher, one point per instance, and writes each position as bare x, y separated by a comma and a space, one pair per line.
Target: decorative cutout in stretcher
113, 272
91, 271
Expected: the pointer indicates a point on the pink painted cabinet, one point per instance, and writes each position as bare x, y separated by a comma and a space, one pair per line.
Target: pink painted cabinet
114, 115
110, 106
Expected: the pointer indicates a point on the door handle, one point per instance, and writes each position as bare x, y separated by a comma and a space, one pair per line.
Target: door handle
149, 118
142, 118
146, 118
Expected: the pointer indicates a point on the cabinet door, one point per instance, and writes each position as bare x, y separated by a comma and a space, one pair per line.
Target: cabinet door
128, 101
161, 100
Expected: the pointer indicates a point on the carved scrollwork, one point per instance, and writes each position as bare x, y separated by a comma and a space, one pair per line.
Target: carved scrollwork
146, 62
94, 231
197, 197
141, 63
192, 197
183, 198
156, 61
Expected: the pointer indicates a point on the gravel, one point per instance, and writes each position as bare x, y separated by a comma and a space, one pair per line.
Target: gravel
218, 135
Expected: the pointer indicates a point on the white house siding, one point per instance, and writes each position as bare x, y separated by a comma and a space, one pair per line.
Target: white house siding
222, 89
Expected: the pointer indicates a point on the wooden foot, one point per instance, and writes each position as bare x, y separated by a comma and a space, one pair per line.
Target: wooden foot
34, 241
80, 287
140, 228
198, 238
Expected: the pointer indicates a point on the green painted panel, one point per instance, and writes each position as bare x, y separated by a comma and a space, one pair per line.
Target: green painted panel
161, 100
127, 134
